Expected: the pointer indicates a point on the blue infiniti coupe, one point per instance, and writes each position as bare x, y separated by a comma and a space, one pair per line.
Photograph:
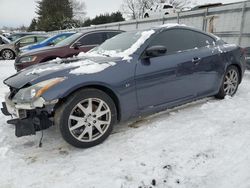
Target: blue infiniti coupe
131, 75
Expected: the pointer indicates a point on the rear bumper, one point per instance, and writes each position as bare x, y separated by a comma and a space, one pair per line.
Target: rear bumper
248, 63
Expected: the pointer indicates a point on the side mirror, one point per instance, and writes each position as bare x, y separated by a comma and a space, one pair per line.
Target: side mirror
51, 44
155, 51
77, 45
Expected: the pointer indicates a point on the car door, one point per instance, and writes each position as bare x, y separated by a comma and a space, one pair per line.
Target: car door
209, 68
168, 78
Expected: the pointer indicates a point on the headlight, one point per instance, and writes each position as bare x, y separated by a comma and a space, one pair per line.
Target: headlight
33, 92
27, 59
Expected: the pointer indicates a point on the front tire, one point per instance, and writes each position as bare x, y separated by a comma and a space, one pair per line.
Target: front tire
230, 82
8, 54
86, 118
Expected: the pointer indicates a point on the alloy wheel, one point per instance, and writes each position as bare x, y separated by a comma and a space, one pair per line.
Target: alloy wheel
7, 54
89, 119
231, 82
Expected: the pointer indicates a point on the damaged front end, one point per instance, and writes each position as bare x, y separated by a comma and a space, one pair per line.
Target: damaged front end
29, 111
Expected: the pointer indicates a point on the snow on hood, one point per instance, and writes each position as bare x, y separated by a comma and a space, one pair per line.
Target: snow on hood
90, 68
126, 55
86, 66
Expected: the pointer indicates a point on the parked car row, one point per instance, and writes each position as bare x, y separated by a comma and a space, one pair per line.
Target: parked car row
130, 75
10, 49
69, 47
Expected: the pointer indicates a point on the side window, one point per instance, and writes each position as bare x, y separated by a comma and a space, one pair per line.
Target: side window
27, 40
92, 39
167, 7
40, 39
203, 40
59, 39
175, 40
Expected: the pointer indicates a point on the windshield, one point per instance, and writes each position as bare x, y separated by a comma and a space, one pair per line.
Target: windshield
5, 40
124, 44
120, 42
69, 40
46, 40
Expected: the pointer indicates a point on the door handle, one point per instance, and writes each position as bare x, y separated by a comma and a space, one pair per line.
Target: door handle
196, 60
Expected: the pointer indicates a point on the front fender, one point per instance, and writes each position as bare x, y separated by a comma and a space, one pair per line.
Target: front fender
63, 90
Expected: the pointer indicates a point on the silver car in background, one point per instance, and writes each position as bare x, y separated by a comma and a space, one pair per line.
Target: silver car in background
9, 50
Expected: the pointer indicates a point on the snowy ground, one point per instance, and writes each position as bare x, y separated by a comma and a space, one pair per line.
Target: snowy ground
203, 144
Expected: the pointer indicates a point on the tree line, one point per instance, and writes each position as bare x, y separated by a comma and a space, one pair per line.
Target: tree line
66, 14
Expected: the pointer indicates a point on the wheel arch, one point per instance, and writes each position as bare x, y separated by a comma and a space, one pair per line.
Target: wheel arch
239, 69
100, 87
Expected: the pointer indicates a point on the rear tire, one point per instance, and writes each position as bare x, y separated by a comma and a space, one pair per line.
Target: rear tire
86, 118
230, 82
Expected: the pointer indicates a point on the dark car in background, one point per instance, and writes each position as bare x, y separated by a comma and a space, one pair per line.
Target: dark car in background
71, 46
130, 75
10, 50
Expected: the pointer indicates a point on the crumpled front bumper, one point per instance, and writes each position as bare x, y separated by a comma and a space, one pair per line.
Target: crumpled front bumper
27, 121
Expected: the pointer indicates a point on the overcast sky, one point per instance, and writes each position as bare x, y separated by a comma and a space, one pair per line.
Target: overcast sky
20, 12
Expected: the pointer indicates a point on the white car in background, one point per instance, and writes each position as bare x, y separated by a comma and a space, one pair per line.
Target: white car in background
159, 10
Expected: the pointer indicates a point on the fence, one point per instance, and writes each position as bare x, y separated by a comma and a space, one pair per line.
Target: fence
231, 22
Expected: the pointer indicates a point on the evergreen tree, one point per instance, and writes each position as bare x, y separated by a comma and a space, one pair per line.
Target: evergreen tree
52, 14
104, 18
33, 25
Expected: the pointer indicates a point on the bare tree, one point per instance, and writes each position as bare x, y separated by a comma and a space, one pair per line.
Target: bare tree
180, 3
79, 9
135, 9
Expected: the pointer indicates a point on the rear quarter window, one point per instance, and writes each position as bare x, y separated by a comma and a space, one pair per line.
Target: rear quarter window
175, 40
203, 39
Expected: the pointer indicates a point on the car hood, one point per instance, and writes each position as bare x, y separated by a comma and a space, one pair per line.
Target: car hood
70, 67
40, 50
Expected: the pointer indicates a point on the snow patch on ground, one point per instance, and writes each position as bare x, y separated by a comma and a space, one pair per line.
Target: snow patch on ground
202, 144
